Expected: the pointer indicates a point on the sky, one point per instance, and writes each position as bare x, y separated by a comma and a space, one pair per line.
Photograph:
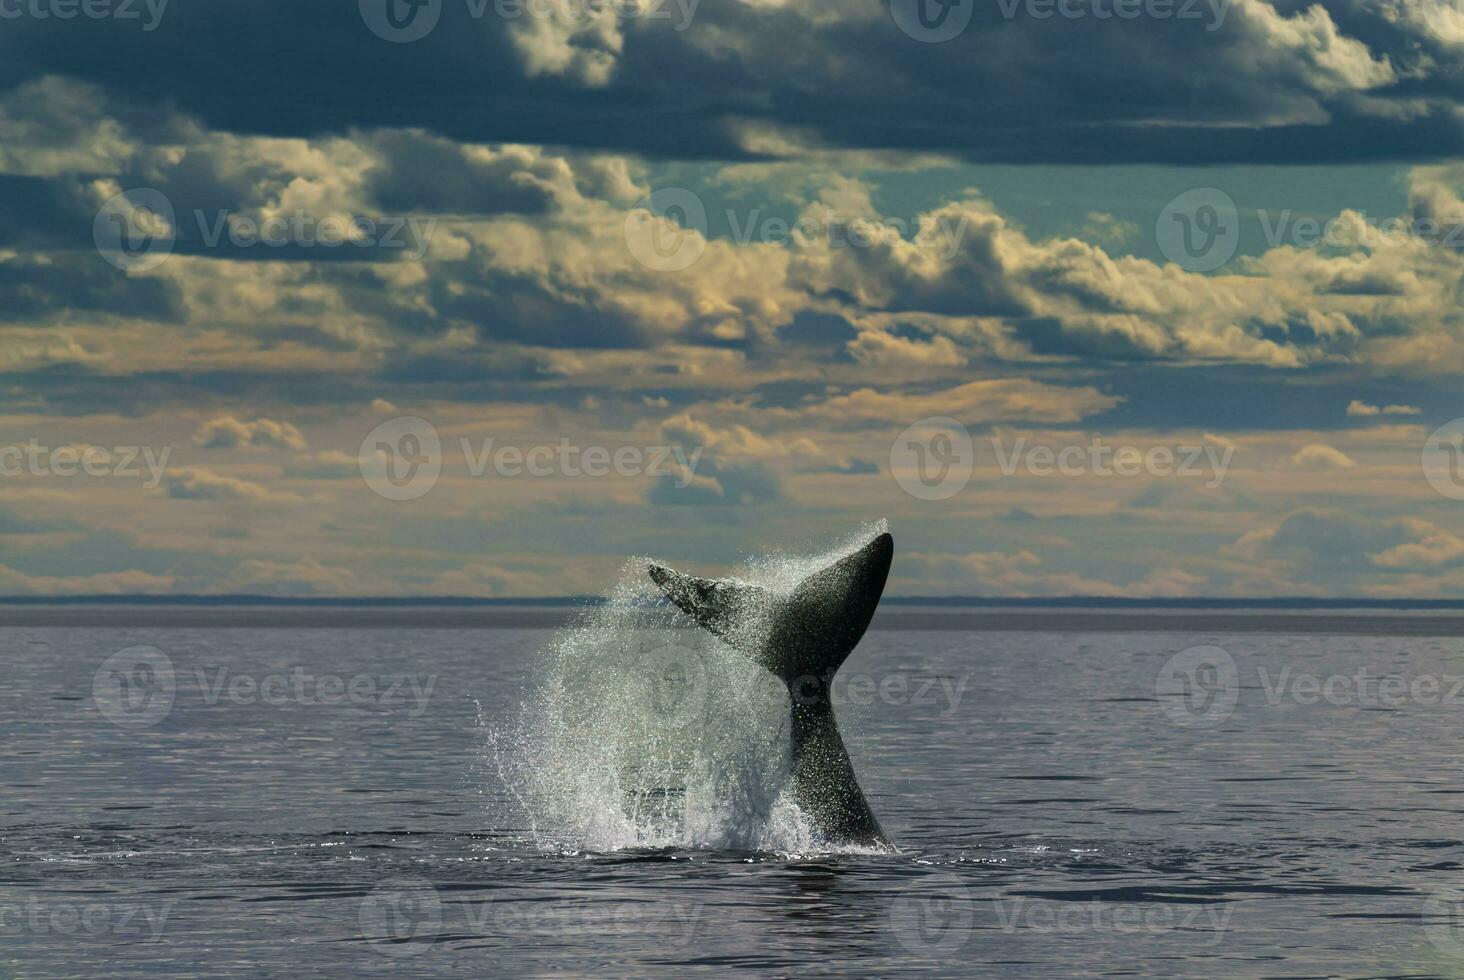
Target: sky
1149, 298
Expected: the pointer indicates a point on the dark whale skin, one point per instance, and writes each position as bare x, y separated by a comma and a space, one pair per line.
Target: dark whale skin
802, 638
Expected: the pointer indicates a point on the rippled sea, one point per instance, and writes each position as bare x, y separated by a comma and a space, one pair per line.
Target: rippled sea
1141, 796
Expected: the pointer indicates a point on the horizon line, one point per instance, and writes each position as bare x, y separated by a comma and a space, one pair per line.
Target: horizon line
1169, 602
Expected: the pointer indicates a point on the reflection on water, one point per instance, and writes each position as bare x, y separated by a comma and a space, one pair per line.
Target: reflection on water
312, 800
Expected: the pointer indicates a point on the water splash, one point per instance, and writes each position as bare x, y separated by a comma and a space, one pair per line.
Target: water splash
647, 732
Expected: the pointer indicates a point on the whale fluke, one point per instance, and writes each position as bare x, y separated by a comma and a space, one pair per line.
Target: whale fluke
802, 636
723, 607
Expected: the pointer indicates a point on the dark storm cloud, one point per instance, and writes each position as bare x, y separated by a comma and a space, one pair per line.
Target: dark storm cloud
1007, 89
37, 290
530, 312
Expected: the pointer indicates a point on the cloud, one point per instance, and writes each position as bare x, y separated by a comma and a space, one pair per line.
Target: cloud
304, 577
228, 432
879, 348
1433, 548
332, 464
1331, 548
1320, 82
718, 483
193, 483
976, 402
130, 582
1020, 574
1361, 409
1317, 456
734, 440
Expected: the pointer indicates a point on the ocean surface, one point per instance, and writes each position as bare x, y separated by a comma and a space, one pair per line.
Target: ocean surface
357, 792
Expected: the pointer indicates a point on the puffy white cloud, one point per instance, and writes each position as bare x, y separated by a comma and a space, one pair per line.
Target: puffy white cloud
1361, 409
228, 432
194, 483
1318, 456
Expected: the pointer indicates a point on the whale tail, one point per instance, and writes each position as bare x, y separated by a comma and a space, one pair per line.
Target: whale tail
808, 631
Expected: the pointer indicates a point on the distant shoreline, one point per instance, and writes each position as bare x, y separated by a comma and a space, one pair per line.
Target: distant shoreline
1337, 617
976, 602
